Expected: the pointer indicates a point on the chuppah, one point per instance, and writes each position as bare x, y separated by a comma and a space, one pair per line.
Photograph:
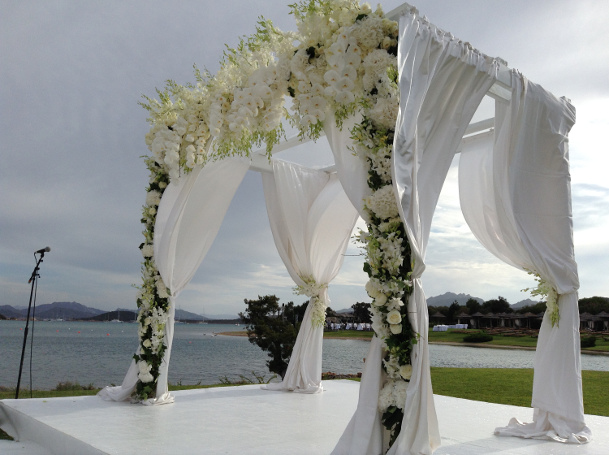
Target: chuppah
394, 96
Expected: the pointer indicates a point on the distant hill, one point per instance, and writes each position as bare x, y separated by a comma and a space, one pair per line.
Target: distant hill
10, 312
55, 310
523, 303
449, 297
116, 315
345, 310
182, 315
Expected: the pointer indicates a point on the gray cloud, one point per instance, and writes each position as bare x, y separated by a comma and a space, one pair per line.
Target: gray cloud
72, 134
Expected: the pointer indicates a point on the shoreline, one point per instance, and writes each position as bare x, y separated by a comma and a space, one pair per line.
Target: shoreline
446, 343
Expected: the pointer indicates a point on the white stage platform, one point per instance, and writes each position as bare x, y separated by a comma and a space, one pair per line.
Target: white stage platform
248, 420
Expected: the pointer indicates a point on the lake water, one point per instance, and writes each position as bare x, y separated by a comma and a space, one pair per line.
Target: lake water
99, 353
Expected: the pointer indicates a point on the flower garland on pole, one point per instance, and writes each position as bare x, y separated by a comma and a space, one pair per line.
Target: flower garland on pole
342, 60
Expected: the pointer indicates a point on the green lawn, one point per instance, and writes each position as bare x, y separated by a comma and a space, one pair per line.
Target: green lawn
349, 334
513, 386
456, 336
453, 336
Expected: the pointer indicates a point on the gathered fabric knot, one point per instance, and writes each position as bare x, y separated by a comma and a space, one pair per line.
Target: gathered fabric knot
318, 294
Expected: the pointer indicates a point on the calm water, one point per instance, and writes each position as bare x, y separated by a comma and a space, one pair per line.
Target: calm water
99, 353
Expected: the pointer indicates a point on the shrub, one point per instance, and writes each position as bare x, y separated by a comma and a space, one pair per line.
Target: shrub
588, 342
70, 386
477, 338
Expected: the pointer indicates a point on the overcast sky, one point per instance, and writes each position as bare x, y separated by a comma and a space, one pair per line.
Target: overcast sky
72, 136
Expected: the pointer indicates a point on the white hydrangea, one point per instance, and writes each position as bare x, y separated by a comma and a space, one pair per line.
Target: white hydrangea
144, 374
148, 250
153, 198
383, 203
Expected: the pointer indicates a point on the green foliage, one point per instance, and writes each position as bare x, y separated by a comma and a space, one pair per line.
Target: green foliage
593, 305
392, 421
588, 342
70, 386
498, 305
361, 312
479, 337
473, 306
255, 378
453, 310
535, 309
273, 328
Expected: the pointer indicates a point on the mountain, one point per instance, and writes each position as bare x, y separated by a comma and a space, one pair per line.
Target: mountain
120, 315
182, 315
65, 310
11, 312
523, 303
449, 297
55, 310
345, 310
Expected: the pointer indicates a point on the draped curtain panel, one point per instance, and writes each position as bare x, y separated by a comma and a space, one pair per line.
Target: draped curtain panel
515, 196
311, 220
442, 82
188, 220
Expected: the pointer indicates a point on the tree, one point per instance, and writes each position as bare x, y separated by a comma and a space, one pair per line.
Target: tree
453, 310
361, 312
473, 306
498, 305
272, 327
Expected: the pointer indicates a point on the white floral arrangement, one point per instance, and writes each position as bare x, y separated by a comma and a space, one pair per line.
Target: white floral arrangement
315, 292
342, 59
153, 296
547, 291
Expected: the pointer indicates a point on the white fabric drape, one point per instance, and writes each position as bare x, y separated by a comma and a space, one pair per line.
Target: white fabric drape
364, 433
311, 220
187, 222
516, 198
442, 82
352, 169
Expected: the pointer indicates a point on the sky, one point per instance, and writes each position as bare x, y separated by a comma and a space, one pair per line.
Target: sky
72, 175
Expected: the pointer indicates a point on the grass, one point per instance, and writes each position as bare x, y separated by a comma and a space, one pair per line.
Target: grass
455, 336
527, 341
492, 385
513, 386
355, 334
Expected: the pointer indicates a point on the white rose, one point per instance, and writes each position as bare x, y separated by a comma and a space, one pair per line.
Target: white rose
406, 371
396, 329
371, 289
380, 300
394, 317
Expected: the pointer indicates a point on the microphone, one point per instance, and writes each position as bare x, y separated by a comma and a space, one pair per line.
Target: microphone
43, 250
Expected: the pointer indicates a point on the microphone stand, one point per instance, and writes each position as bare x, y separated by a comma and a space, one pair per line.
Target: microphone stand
32, 280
